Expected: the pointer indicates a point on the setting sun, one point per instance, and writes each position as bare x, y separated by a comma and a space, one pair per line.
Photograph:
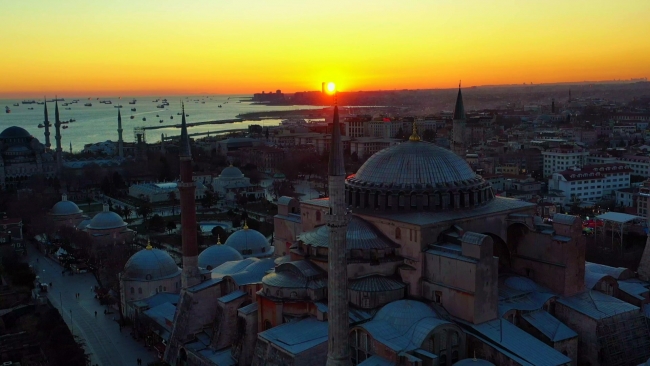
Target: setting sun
331, 87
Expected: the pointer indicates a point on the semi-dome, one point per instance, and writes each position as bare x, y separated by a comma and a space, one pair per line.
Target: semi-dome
231, 172
216, 255
416, 175
249, 243
150, 265
64, 208
106, 220
14, 132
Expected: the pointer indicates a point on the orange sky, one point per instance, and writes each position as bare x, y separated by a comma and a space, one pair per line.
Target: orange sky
119, 47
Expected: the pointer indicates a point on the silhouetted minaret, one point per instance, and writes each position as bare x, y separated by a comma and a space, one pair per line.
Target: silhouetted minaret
337, 278
70, 147
57, 136
459, 122
162, 143
120, 141
47, 125
553, 106
186, 188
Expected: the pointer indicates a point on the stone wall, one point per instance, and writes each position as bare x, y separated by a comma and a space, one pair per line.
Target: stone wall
588, 347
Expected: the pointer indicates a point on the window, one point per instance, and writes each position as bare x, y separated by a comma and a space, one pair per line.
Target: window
437, 297
318, 215
398, 233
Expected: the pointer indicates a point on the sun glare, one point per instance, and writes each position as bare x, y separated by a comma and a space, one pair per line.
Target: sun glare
331, 87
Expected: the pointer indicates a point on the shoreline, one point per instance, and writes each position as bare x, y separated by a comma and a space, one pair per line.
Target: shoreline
313, 113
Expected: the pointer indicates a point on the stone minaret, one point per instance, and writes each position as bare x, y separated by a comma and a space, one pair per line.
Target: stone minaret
337, 278
70, 147
186, 188
120, 141
458, 136
57, 136
48, 144
162, 143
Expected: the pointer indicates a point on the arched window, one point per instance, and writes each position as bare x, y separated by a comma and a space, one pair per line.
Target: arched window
132, 290
398, 233
318, 215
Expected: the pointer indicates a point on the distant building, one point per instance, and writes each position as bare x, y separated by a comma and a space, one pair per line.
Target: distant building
232, 182
159, 192
590, 183
23, 156
563, 158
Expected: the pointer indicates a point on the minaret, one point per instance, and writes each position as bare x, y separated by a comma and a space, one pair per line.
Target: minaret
162, 143
120, 142
47, 126
57, 136
337, 278
186, 188
459, 122
70, 147
553, 106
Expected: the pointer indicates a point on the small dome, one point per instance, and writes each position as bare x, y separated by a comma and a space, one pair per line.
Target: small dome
64, 208
402, 314
231, 172
216, 255
106, 220
414, 163
14, 132
249, 242
150, 265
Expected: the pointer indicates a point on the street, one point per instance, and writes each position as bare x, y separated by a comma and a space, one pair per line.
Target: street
103, 339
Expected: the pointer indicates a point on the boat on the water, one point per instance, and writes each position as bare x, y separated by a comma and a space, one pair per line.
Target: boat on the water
219, 105
144, 118
68, 108
64, 127
157, 115
29, 102
179, 114
73, 120
88, 105
31, 108
131, 117
132, 102
40, 125
132, 109
187, 115
117, 106
16, 104
160, 106
161, 121
171, 117
7, 110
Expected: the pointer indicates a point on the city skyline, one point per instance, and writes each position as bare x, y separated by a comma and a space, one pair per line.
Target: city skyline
147, 48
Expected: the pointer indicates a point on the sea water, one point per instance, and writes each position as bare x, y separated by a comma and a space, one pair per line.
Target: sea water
99, 122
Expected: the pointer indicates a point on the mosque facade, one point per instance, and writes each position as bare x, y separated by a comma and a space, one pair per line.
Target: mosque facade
411, 261
23, 156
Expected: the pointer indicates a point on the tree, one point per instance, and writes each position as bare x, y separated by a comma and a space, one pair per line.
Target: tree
208, 200
156, 222
144, 210
219, 232
172, 198
126, 212
171, 226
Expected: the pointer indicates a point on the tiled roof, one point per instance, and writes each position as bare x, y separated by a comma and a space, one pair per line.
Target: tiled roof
162, 314
244, 272
248, 309
375, 360
592, 278
596, 305
634, 287
376, 283
515, 343
564, 219
232, 296
550, 326
297, 337
615, 272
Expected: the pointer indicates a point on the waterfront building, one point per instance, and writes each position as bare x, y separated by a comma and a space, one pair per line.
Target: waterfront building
22, 156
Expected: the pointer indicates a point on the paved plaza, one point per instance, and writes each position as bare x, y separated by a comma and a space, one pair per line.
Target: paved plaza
103, 339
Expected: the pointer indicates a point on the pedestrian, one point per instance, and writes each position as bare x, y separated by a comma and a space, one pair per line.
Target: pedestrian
50, 284
95, 313
91, 288
36, 260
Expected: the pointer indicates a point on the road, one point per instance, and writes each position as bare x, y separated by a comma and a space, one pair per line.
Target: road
104, 341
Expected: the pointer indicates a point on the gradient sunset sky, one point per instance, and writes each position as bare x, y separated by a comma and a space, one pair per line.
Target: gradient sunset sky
130, 47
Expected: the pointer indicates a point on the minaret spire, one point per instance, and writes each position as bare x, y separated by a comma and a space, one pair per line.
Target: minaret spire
57, 136
120, 141
186, 187
48, 144
459, 122
338, 353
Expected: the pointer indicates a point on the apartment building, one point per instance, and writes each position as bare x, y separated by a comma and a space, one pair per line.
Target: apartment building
563, 158
590, 183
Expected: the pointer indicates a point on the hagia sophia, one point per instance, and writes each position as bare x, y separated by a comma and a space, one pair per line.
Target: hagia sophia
412, 260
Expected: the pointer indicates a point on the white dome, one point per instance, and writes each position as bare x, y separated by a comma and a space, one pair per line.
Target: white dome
231, 172
150, 265
249, 242
64, 208
106, 220
216, 255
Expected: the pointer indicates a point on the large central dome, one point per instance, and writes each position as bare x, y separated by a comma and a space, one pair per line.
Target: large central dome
415, 163
416, 175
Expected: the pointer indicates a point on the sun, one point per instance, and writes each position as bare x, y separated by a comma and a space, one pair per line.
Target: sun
331, 87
